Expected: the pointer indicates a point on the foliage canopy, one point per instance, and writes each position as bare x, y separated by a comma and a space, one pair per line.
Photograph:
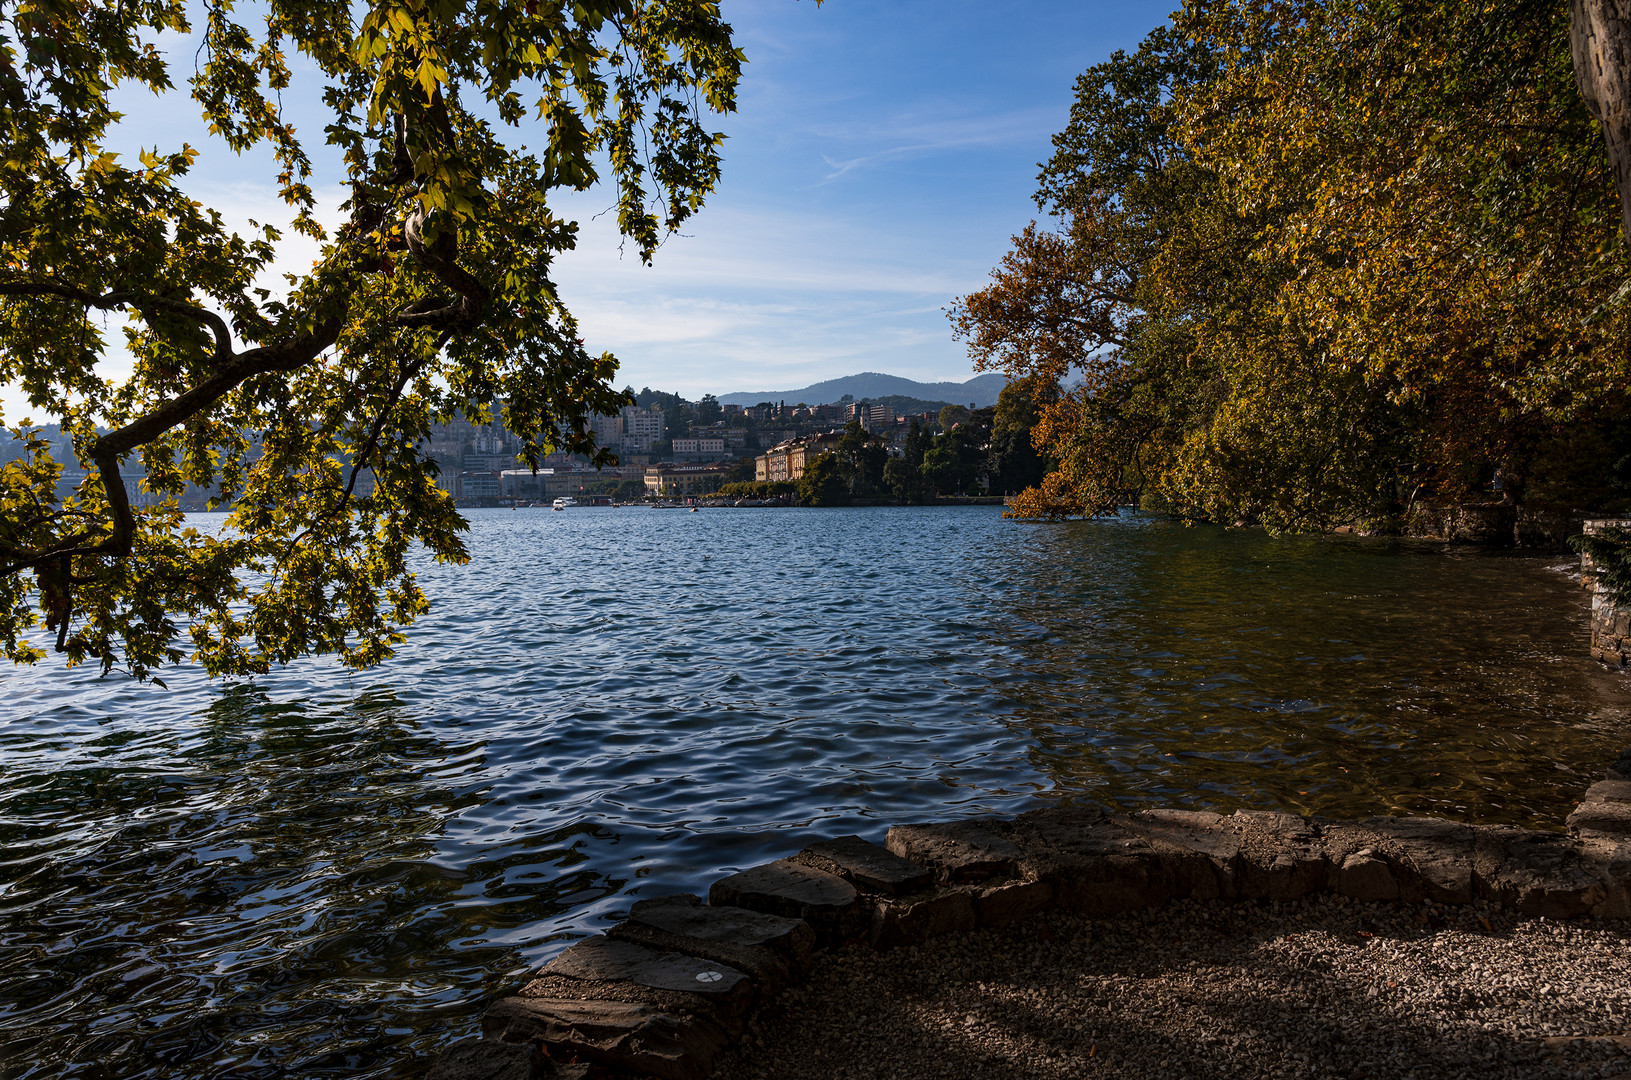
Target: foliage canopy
1318, 261
431, 298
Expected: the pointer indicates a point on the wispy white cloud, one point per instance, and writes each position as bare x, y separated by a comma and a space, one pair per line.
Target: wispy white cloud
918, 136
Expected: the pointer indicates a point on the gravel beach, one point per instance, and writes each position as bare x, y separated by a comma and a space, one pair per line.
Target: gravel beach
1323, 988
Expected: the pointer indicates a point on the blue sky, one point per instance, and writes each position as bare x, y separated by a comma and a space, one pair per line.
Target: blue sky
882, 154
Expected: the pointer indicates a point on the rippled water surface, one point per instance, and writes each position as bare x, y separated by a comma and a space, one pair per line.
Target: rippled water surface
325, 874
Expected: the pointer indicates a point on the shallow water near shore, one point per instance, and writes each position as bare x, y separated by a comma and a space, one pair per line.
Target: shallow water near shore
331, 874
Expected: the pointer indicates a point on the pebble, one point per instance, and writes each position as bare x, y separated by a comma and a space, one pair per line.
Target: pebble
1322, 988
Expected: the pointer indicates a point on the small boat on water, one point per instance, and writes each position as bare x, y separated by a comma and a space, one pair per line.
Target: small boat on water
565, 502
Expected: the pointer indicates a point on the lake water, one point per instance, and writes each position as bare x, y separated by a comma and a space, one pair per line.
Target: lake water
327, 874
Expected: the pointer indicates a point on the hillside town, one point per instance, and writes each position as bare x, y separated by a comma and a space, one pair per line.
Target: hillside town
666, 447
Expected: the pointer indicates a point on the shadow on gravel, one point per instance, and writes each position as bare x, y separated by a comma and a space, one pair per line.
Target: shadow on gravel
1320, 989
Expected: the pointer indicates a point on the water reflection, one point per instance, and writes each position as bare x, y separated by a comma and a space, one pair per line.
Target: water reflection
1338, 676
267, 891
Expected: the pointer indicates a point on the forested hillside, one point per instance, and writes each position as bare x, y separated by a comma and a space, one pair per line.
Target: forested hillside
1318, 263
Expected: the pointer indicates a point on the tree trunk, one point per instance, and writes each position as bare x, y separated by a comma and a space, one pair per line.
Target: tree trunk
1600, 39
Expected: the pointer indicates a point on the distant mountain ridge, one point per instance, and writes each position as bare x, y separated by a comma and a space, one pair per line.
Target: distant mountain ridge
982, 390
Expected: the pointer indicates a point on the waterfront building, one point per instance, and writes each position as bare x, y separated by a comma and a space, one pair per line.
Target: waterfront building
673, 478
787, 460
480, 486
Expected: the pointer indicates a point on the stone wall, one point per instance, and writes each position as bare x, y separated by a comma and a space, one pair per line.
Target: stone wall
662, 993
1496, 524
1610, 624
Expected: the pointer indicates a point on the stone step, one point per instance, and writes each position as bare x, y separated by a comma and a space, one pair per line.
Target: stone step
915, 919
687, 916
611, 961
1607, 809
786, 888
773, 951
1609, 791
629, 1037
958, 851
868, 867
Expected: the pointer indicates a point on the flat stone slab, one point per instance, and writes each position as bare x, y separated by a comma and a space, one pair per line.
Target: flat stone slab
625, 1036
870, 868
826, 901
1609, 791
1200, 831
1431, 858
1011, 901
916, 920
1282, 856
1199, 850
1605, 816
957, 851
602, 959
1095, 866
686, 915
1544, 874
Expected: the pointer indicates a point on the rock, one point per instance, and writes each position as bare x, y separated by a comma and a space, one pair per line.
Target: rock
768, 971
826, 901
1365, 876
487, 1059
1281, 856
1095, 867
960, 851
1609, 791
1432, 859
1196, 830
1606, 817
1621, 769
1544, 874
606, 960
868, 867
1000, 905
914, 920
1610, 859
686, 916
1197, 849
625, 1036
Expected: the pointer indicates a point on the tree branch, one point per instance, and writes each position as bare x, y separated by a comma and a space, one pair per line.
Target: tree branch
131, 297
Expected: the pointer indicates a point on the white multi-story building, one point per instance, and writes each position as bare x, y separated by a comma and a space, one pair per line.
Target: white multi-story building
643, 423
608, 430
703, 448
631, 431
